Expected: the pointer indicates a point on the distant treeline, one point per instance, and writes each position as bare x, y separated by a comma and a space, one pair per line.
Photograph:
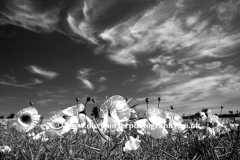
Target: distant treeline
8, 117
220, 116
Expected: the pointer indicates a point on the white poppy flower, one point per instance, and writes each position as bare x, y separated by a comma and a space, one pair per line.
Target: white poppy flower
213, 118
164, 115
155, 127
82, 121
219, 129
155, 123
133, 113
111, 125
234, 126
117, 108
132, 144
178, 127
56, 126
5, 149
203, 116
26, 119
210, 131
199, 127
31, 134
173, 117
41, 135
114, 111
141, 125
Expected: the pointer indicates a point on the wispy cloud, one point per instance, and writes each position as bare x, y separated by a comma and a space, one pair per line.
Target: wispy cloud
44, 102
83, 75
157, 28
87, 83
130, 80
102, 88
25, 13
102, 79
42, 72
11, 81
207, 30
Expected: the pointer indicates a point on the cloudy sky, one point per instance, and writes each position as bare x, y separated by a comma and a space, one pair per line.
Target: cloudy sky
184, 51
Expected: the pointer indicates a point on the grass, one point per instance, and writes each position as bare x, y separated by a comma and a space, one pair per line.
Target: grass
89, 146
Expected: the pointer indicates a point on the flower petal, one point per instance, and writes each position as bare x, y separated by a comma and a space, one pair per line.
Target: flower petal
74, 110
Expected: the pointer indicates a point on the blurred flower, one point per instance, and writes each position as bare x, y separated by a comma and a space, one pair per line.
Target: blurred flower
201, 136
213, 118
133, 114
234, 126
178, 127
203, 116
31, 134
26, 119
41, 135
5, 149
220, 129
210, 132
132, 144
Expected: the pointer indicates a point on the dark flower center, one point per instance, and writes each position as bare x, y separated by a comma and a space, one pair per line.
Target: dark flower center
26, 118
58, 125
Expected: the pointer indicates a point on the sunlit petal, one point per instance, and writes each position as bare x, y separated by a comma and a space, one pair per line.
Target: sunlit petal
74, 110
132, 144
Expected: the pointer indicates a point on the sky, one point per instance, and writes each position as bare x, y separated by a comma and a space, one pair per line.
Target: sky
184, 51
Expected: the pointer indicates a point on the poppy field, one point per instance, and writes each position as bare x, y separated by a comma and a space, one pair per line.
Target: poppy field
117, 132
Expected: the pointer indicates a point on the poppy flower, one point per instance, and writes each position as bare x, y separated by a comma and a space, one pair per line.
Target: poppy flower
26, 119
41, 135
117, 108
203, 116
210, 132
140, 126
178, 127
5, 149
234, 126
82, 121
155, 127
111, 125
153, 124
56, 126
114, 111
132, 144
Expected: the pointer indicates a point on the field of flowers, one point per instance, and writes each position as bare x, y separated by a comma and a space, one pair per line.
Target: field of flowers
117, 132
